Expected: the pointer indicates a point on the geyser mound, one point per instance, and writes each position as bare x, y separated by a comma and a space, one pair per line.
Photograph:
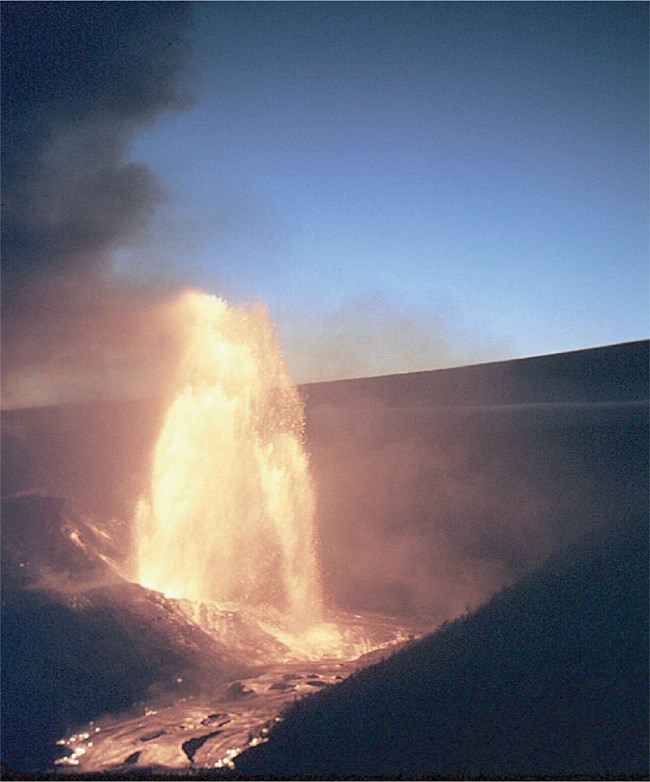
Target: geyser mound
228, 521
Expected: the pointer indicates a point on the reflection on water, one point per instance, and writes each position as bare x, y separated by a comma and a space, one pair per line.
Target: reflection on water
203, 731
210, 729
225, 535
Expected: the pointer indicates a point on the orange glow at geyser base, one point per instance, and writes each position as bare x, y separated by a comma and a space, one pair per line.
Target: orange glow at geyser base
229, 518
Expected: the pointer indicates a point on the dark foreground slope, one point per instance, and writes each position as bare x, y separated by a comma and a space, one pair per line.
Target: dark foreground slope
434, 490
616, 373
507, 467
550, 678
77, 640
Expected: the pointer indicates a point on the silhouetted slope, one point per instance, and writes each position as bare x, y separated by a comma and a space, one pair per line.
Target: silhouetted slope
436, 489
549, 678
78, 641
614, 373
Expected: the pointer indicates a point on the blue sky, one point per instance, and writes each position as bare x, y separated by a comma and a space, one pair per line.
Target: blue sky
413, 185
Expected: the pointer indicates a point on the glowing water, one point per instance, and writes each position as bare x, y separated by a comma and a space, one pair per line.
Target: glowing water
229, 517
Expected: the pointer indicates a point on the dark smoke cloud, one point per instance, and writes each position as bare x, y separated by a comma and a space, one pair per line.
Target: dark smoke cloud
79, 80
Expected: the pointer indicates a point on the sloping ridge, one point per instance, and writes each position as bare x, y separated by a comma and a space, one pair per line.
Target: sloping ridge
106, 445
549, 679
615, 373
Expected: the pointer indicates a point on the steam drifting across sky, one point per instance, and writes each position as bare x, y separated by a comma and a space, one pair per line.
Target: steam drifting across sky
407, 185
410, 185
79, 81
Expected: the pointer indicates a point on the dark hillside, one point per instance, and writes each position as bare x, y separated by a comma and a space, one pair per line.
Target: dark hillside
436, 489
550, 679
616, 373
537, 460
78, 641
95, 455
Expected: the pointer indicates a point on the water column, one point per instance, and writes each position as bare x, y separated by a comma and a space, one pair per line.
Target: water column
229, 515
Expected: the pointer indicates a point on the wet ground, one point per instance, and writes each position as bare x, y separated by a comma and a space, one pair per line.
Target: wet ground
209, 730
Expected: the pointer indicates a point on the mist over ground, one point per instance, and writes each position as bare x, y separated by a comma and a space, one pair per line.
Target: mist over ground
549, 679
435, 490
532, 474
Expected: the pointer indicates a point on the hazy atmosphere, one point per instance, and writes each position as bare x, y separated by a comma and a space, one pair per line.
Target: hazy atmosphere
410, 185
405, 185
325, 390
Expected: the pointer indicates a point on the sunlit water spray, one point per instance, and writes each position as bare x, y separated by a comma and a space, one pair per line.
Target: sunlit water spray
227, 529
229, 517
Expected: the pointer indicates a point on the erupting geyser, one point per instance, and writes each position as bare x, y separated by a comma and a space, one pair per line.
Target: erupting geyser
229, 518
